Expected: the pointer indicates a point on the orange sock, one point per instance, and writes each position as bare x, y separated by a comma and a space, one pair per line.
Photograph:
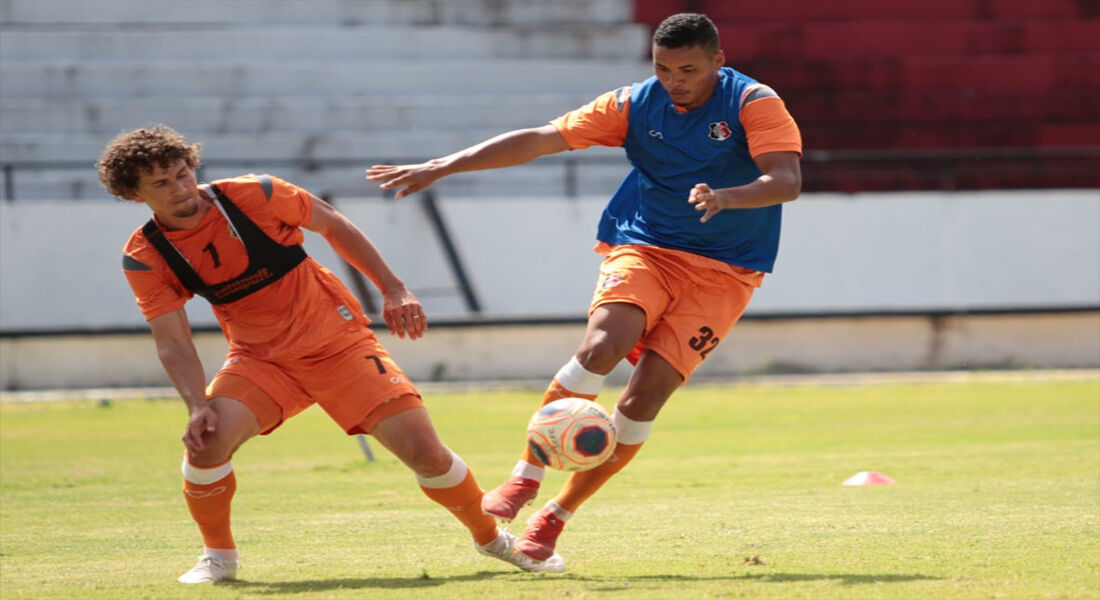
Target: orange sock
583, 484
209, 503
463, 500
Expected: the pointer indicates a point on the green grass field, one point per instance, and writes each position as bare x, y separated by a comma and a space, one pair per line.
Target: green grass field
997, 496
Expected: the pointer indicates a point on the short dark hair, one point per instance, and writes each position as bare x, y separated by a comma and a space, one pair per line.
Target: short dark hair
139, 151
687, 29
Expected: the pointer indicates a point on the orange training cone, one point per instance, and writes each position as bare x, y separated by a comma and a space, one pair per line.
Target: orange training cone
868, 478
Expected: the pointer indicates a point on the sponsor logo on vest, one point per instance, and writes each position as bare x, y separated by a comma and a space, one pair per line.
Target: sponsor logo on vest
344, 312
396, 379
719, 131
656, 134
244, 283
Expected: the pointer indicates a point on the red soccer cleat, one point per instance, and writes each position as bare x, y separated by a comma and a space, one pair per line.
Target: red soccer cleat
540, 536
507, 500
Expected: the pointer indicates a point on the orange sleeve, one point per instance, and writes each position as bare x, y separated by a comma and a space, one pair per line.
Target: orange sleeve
290, 203
601, 122
156, 293
769, 127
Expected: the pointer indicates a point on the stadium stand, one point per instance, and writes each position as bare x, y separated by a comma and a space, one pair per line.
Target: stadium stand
314, 91
937, 94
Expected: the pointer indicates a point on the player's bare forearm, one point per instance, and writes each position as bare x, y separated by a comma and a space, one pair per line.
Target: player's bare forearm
177, 353
352, 244
765, 191
401, 311
780, 181
360, 252
505, 150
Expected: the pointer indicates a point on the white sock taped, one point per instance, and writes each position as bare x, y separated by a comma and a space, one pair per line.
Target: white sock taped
558, 511
230, 553
579, 380
204, 475
527, 470
451, 478
629, 431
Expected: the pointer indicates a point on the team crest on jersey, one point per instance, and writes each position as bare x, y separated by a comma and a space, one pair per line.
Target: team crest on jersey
719, 131
611, 280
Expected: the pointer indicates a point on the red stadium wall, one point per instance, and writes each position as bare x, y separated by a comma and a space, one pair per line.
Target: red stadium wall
936, 94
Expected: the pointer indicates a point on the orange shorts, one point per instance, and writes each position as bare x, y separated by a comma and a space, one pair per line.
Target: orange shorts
358, 385
690, 301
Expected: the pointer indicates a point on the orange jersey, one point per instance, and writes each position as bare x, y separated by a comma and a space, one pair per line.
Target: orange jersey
298, 315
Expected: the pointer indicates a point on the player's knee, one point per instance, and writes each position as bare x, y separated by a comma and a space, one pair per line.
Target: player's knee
210, 456
642, 405
601, 352
217, 449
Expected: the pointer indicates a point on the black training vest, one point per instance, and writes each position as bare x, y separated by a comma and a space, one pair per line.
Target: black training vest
268, 260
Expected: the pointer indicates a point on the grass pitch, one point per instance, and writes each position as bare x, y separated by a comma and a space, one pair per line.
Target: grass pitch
737, 495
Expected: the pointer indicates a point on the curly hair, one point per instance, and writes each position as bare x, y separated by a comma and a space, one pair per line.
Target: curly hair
140, 151
687, 29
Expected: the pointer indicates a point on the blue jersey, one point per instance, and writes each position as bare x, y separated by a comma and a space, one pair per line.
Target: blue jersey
672, 151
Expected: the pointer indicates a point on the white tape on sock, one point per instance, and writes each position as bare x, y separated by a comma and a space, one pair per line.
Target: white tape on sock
204, 476
628, 430
579, 380
527, 470
558, 511
451, 478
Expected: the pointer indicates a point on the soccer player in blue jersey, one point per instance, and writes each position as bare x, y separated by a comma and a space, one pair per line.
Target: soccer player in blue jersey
687, 237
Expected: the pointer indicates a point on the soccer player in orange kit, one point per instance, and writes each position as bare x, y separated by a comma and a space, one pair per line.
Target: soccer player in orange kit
296, 335
686, 238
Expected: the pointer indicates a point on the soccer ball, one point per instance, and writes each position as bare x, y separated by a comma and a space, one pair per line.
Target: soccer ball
571, 434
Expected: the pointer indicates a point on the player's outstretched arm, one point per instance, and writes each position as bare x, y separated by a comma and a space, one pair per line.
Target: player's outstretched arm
176, 350
505, 150
401, 310
780, 181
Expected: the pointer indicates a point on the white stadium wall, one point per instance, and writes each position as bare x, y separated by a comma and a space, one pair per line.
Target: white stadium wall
1017, 275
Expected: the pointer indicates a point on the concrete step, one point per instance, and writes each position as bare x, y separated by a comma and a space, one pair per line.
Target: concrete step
121, 13
365, 43
261, 13
599, 176
75, 79
279, 146
313, 114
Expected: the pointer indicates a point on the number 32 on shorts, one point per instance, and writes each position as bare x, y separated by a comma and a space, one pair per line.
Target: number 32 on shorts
704, 342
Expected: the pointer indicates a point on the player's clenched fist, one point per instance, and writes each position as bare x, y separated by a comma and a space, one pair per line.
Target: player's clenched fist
705, 198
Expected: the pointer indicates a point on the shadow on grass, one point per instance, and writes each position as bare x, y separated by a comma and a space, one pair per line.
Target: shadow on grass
843, 578
608, 583
605, 584
321, 585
